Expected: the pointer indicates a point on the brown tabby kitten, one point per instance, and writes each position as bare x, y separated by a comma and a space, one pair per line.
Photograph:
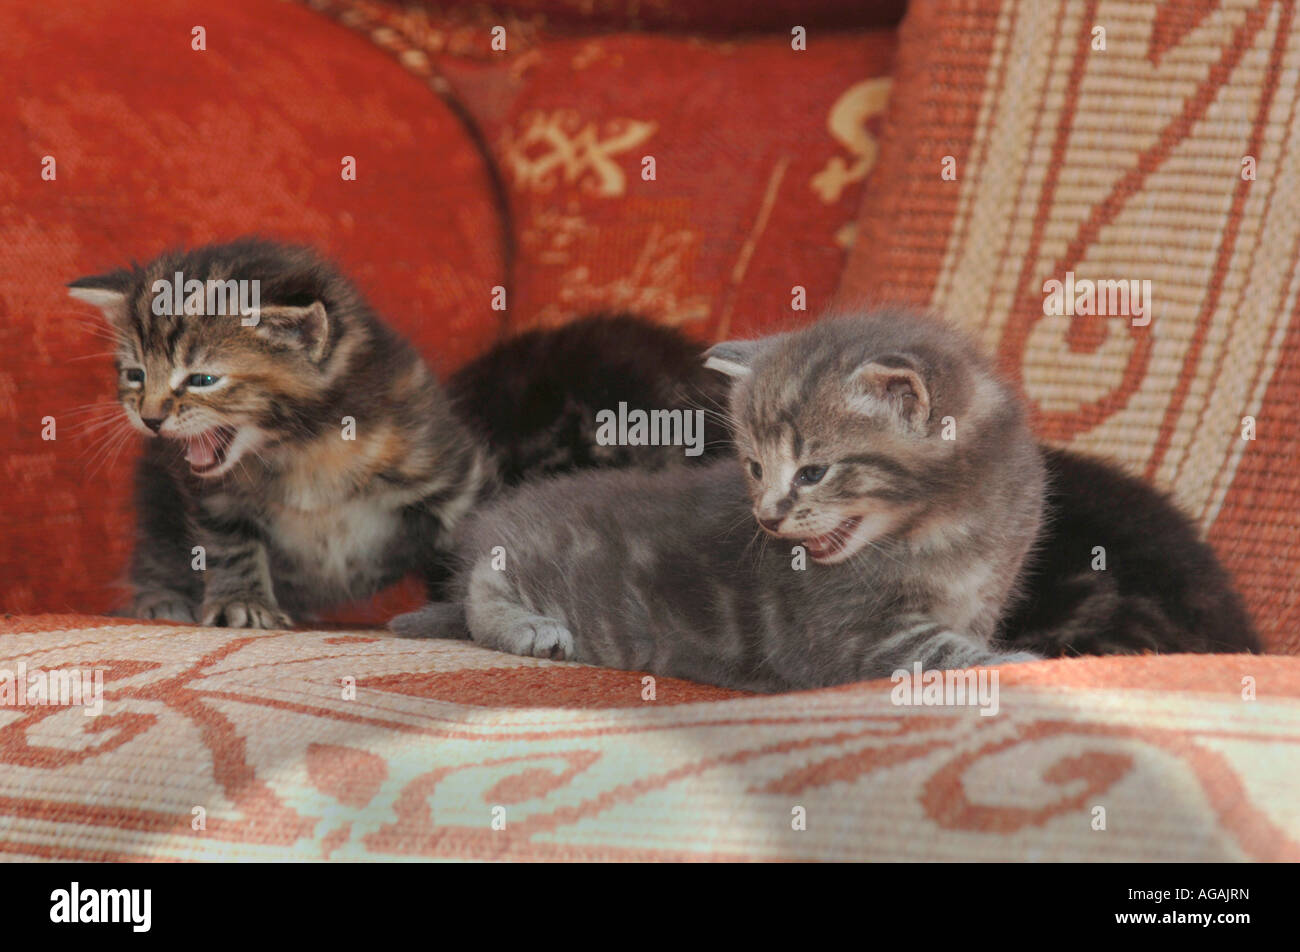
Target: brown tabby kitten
311, 456
306, 449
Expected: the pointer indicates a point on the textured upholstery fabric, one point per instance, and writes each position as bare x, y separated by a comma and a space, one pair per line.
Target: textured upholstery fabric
1122, 163
760, 152
443, 738
732, 16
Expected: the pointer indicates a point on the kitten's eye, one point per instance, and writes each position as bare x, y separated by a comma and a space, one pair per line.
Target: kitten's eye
201, 380
810, 475
755, 470
134, 375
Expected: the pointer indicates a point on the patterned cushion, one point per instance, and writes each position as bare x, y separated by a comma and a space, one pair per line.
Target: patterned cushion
1167, 157
760, 153
251, 733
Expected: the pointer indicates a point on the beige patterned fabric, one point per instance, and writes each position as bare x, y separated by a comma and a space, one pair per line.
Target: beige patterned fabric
1032, 141
448, 751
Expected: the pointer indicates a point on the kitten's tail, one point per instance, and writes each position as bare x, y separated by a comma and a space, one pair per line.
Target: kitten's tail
434, 620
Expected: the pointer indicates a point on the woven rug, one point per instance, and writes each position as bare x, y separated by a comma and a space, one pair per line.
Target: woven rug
1030, 142
218, 744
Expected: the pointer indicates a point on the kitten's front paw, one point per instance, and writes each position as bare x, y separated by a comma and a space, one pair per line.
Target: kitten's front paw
161, 604
434, 620
244, 613
543, 638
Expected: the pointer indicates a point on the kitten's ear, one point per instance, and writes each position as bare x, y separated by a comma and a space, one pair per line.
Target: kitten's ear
896, 382
106, 291
305, 328
733, 357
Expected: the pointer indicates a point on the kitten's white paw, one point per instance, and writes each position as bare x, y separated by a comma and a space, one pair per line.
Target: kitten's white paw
544, 638
244, 613
162, 604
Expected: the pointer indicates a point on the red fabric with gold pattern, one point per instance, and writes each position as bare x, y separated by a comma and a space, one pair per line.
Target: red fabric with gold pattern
760, 154
755, 189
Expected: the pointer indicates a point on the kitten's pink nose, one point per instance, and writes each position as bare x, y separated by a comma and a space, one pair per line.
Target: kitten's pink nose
771, 525
153, 423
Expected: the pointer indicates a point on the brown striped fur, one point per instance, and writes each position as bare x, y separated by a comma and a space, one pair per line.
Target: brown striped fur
344, 467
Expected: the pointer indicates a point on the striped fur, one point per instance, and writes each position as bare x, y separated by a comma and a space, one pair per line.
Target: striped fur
338, 468
296, 518
905, 548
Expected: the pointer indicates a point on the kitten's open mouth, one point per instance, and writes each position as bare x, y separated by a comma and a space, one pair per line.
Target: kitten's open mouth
207, 450
833, 542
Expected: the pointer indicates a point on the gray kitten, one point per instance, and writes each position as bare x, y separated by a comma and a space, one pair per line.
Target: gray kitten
887, 492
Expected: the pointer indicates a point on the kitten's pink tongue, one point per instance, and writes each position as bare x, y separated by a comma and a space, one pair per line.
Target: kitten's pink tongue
201, 453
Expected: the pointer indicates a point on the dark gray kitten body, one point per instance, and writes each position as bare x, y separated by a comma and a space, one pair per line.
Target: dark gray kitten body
1161, 587
862, 443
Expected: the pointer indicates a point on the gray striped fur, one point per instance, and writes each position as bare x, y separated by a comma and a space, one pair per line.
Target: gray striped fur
668, 572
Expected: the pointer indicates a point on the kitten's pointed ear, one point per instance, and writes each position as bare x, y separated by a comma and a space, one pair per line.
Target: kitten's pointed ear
106, 291
305, 328
896, 383
733, 357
